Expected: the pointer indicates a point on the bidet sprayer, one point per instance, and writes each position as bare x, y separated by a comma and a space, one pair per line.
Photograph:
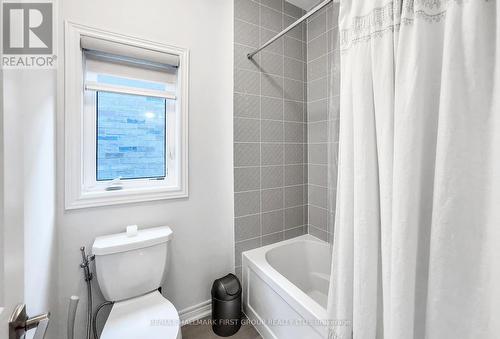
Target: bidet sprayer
86, 259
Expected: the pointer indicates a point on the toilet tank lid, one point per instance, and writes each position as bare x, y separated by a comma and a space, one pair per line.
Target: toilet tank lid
121, 242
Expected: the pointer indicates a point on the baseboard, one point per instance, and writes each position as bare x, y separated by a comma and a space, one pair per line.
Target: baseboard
196, 312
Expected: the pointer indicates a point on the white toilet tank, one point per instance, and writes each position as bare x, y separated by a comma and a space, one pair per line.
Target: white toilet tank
131, 265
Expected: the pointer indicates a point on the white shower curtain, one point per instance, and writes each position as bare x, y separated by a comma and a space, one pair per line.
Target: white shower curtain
417, 233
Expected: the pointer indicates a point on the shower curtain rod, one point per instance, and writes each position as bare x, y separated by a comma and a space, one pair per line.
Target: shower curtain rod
289, 28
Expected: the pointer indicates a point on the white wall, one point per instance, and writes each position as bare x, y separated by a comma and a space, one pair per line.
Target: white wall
39, 190
29, 131
203, 226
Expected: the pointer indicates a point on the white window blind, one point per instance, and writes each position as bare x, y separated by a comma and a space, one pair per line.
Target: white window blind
109, 74
128, 51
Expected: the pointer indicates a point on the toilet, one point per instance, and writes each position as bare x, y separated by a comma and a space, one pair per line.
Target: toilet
130, 267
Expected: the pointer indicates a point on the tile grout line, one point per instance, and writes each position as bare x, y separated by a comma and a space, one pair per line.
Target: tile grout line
253, 238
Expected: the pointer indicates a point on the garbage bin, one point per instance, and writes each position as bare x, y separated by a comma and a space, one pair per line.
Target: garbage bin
226, 305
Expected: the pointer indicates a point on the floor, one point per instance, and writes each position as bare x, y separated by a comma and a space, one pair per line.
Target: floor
203, 330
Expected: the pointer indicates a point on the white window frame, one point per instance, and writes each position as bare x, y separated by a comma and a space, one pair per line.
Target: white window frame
78, 193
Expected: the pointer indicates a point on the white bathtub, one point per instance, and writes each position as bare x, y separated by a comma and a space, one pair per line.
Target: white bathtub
285, 288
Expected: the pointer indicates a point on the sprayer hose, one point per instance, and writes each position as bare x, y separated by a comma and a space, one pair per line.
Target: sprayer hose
89, 308
94, 319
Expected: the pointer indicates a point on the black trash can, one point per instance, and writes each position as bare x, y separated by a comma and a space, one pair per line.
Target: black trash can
226, 305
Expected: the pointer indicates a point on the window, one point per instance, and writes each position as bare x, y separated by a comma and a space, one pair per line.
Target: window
126, 118
131, 137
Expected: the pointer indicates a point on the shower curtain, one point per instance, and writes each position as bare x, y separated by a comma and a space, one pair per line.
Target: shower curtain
416, 250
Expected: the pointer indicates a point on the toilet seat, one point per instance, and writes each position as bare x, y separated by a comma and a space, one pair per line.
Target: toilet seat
148, 316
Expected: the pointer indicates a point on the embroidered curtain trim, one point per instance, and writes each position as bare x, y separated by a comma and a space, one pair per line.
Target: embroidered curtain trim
389, 18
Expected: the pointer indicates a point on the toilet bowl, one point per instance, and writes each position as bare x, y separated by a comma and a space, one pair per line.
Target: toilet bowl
129, 269
147, 316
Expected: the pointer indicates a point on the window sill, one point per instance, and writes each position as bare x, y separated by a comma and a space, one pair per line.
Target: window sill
124, 196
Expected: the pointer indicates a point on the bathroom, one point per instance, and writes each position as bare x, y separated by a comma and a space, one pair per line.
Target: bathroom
334, 160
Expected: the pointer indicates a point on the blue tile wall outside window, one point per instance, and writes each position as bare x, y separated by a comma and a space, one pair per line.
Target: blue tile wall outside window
131, 133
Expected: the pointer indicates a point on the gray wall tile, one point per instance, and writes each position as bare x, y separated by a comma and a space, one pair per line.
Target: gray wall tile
246, 130
318, 175
275, 4
272, 154
318, 196
276, 46
237, 272
247, 227
246, 105
272, 222
246, 203
336, 78
293, 48
320, 234
272, 238
317, 25
272, 176
246, 154
272, 86
272, 108
335, 102
316, 47
243, 246
317, 131
333, 129
317, 89
318, 217
294, 69
294, 132
317, 154
317, 110
294, 217
317, 68
294, 175
294, 232
271, 19
293, 89
297, 32
271, 131
332, 15
272, 199
246, 33
247, 82
294, 111
242, 62
271, 63
294, 154
293, 10
246, 179
247, 10
333, 40
294, 196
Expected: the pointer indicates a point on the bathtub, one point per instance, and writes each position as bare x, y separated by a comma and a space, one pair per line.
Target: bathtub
285, 288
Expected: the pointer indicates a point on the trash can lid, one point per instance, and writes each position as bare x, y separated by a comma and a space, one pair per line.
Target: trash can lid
226, 288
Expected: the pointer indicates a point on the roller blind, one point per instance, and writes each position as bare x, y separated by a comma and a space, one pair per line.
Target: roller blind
106, 71
98, 45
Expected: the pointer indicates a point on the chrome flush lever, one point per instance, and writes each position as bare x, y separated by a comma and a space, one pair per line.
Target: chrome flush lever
20, 323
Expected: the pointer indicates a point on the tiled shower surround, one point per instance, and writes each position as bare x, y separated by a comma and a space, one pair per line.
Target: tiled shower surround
323, 76
271, 153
